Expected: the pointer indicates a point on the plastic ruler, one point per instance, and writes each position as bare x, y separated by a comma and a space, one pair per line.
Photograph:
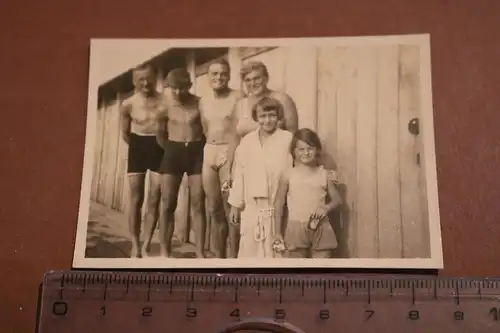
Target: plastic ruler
76, 301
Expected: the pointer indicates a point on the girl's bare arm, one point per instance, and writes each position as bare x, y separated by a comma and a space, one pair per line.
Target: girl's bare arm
333, 195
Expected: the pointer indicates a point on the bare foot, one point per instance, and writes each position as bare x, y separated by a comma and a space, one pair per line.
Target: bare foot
145, 251
200, 254
134, 253
219, 254
165, 254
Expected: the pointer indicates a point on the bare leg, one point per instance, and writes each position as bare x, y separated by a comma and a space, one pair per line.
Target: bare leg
136, 199
152, 211
197, 198
212, 189
169, 192
233, 230
322, 254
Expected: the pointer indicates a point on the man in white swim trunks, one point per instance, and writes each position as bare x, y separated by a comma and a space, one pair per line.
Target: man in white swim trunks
219, 125
139, 113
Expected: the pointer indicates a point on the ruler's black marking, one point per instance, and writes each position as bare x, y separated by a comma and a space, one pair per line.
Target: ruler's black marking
369, 294
457, 294
391, 291
302, 287
192, 291
148, 296
105, 291
84, 283
413, 293
280, 290
324, 292
61, 287
479, 291
236, 294
434, 289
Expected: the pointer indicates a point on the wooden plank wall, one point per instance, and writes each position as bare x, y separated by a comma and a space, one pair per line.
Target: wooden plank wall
108, 180
367, 95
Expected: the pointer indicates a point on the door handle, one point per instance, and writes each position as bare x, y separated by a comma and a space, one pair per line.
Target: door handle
414, 129
414, 126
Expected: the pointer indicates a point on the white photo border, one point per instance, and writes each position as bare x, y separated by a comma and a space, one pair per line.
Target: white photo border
436, 252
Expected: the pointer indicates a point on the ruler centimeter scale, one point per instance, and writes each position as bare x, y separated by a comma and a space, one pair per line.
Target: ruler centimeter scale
75, 302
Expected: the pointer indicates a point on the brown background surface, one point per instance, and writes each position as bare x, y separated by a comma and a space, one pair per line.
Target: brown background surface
44, 57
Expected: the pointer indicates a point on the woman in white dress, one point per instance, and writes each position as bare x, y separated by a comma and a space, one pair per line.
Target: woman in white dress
263, 156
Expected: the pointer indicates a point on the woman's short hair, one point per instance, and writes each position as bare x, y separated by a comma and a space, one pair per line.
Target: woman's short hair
268, 104
308, 136
251, 66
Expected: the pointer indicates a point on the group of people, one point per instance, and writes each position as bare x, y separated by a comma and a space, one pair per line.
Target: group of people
266, 191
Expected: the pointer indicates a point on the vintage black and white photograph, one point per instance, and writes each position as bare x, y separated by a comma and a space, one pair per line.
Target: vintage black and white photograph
229, 153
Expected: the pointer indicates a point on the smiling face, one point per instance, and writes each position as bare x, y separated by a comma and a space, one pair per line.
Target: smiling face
267, 118
144, 80
219, 76
305, 153
255, 82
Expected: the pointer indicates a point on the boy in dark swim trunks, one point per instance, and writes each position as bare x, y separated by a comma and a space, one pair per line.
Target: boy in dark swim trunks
139, 113
180, 133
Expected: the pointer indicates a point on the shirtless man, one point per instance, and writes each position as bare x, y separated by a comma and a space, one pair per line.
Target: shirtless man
219, 125
138, 119
255, 77
180, 133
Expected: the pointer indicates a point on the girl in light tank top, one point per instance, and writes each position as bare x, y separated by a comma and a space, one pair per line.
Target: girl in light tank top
309, 191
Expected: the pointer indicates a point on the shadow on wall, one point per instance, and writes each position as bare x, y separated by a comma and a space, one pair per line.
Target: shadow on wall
102, 243
339, 218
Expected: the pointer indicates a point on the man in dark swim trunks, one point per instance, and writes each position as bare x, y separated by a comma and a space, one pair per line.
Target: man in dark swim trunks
180, 133
139, 113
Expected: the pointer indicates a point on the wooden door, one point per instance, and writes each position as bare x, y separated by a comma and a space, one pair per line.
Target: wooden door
367, 95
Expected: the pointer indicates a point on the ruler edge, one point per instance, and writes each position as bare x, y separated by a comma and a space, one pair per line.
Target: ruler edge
234, 277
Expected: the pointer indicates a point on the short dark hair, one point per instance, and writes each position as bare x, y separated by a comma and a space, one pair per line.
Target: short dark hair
251, 66
144, 67
178, 76
268, 104
308, 136
220, 61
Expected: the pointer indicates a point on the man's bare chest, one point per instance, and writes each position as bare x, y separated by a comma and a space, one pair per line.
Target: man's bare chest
183, 115
146, 111
218, 109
